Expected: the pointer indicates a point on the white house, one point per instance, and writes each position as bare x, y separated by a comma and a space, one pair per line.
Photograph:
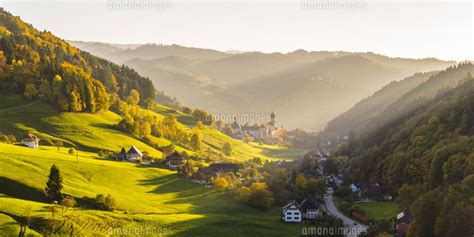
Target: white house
134, 154
354, 188
292, 213
31, 141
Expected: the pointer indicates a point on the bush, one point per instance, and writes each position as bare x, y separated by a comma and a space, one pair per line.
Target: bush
9, 139
68, 202
107, 203
221, 183
72, 151
100, 202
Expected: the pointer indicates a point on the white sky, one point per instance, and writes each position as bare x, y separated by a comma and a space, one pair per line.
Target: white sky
442, 29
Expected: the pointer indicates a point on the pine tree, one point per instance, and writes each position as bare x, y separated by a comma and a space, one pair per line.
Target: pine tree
54, 185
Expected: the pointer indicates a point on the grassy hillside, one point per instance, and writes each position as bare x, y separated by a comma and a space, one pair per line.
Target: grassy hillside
94, 132
146, 197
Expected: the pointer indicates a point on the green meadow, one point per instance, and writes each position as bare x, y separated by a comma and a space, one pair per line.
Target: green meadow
380, 210
147, 197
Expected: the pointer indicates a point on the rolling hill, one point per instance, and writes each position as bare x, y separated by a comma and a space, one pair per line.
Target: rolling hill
227, 84
148, 199
95, 132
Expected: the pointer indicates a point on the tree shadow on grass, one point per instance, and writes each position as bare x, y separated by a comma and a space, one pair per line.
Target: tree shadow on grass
19, 190
197, 198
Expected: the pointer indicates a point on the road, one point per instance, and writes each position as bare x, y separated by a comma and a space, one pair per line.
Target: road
353, 230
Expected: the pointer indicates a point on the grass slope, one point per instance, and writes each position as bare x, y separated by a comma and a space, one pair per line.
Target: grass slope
146, 198
94, 132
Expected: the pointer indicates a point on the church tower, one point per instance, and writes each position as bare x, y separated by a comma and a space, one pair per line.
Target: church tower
272, 119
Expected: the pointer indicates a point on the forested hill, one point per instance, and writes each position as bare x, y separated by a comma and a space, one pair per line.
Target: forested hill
396, 101
42, 66
358, 116
426, 159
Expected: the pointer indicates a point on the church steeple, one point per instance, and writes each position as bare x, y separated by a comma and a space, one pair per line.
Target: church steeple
273, 118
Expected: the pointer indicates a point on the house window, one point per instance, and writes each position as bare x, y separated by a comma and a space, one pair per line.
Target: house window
289, 218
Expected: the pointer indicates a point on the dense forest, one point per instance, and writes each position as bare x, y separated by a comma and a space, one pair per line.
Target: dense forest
425, 156
43, 67
366, 109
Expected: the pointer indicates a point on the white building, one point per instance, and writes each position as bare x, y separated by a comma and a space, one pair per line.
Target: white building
292, 213
134, 154
354, 188
31, 141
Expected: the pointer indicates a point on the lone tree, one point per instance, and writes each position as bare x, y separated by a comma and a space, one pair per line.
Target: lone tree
59, 144
54, 185
227, 149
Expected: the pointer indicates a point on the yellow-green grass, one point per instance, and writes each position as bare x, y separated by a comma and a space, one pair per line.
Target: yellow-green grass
146, 197
94, 132
91, 132
379, 210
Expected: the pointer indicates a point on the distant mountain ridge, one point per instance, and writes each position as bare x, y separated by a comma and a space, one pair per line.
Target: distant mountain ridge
306, 89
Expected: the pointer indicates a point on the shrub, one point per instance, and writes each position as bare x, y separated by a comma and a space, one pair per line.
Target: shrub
9, 139
103, 202
67, 203
72, 151
221, 183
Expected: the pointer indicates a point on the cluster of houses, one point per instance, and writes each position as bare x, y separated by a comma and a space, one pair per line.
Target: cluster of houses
308, 209
173, 161
268, 130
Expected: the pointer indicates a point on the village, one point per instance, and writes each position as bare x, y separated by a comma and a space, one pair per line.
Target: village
317, 164
265, 132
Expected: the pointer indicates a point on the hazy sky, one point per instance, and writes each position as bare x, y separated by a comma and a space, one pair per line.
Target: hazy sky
442, 29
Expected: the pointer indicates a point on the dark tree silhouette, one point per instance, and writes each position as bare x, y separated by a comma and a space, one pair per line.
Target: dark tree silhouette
54, 185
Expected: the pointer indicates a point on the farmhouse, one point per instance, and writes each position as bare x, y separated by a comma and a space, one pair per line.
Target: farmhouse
133, 154
308, 209
31, 141
175, 160
292, 212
